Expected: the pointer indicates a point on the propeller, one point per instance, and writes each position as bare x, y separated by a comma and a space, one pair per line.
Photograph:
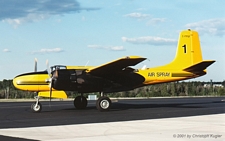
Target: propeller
35, 64
50, 91
48, 70
51, 79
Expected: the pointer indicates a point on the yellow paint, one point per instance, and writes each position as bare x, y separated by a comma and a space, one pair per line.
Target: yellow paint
55, 94
79, 67
32, 82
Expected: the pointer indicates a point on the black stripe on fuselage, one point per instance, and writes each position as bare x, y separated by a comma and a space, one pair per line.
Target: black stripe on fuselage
181, 75
32, 83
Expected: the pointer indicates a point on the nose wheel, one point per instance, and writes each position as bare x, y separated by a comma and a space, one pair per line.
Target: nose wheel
36, 107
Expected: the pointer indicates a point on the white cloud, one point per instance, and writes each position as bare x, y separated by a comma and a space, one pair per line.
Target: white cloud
44, 51
138, 15
145, 17
113, 48
211, 26
156, 21
150, 40
6, 50
117, 48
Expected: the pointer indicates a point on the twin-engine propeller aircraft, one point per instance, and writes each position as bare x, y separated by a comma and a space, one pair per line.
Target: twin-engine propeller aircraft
115, 76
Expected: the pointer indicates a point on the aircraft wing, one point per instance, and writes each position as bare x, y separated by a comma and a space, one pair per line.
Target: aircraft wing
115, 66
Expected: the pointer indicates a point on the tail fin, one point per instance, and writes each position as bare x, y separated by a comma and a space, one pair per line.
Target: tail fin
189, 55
188, 50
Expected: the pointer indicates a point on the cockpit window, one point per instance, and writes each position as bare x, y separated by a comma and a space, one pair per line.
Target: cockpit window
57, 67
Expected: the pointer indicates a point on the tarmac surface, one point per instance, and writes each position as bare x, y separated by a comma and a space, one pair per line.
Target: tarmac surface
17, 116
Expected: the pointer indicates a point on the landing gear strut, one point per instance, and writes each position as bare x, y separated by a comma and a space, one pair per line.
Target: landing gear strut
36, 107
80, 102
103, 103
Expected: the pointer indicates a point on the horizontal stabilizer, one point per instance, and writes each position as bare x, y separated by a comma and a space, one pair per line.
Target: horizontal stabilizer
199, 67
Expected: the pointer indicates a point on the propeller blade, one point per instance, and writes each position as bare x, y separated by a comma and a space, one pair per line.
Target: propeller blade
35, 65
49, 80
48, 69
47, 62
50, 91
56, 73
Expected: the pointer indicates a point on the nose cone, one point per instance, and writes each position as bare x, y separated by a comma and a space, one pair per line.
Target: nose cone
35, 81
23, 81
15, 80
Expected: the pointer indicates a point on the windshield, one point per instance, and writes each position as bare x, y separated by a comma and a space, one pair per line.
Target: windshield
58, 67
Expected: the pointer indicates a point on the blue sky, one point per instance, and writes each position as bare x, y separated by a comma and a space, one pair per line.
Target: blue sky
75, 32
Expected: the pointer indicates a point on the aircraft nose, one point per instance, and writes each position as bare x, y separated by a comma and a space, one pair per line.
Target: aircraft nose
16, 81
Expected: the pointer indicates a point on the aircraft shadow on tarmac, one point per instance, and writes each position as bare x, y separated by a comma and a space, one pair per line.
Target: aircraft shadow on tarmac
120, 106
125, 106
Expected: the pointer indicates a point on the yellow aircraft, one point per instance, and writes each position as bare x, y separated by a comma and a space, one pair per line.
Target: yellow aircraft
114, 76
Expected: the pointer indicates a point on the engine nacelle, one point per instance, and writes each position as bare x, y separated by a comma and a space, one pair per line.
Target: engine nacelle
77, 80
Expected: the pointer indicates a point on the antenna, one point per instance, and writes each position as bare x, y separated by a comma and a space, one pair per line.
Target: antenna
87, 63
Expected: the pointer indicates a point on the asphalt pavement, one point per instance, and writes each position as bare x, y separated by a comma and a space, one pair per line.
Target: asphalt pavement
62, 113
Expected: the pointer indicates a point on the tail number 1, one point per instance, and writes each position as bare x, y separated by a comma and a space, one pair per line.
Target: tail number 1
185, 48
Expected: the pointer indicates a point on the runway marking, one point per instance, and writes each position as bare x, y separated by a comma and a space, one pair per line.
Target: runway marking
207, 127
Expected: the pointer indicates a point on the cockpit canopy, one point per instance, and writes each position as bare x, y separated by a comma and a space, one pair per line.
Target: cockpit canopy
57, 67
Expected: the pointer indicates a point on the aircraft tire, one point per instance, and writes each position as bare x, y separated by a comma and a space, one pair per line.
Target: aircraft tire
36, 109
103, 104
80, 102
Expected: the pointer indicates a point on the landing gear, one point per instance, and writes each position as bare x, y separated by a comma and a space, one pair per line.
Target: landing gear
80, 102
103, 103
36, 107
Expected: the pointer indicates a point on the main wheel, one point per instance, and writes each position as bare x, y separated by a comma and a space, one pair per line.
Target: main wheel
80, 102
103, 104
36, 108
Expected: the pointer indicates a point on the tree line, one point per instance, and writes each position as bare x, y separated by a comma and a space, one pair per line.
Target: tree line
183, 88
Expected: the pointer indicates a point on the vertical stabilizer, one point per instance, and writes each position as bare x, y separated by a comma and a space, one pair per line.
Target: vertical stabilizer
188, 50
